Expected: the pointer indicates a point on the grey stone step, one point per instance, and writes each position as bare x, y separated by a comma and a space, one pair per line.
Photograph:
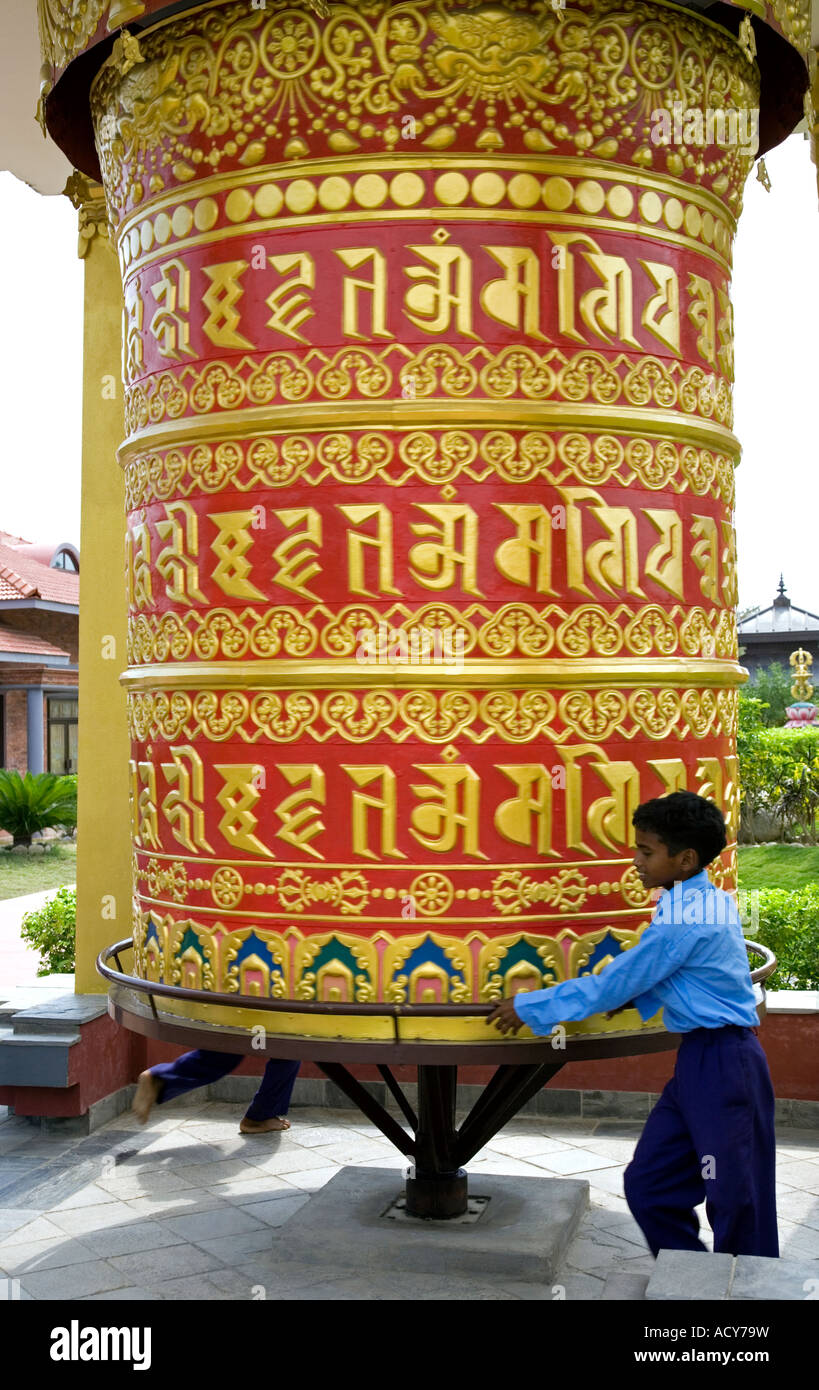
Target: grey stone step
697, 1277
41, 991
64, 1014
690, 1274
756, 1277
35, 1041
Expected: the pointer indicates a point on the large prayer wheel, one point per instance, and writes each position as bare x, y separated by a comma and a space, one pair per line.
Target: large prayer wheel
430, 479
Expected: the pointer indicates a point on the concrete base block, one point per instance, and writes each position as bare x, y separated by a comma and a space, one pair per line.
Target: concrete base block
692, 1275
523, 1234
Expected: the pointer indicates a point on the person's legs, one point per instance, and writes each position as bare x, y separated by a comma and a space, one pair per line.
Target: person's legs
167, 1080
663, 1183
193, 1069
727, 1096
272, 1100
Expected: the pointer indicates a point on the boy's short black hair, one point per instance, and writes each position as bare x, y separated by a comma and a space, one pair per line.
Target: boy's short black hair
684, 820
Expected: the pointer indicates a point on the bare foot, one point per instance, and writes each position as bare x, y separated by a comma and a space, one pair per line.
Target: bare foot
247, 1126
147, 1092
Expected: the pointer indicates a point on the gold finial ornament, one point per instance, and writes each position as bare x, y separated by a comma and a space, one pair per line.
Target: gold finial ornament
45, 88
801, 661
762, 175
123, 11
126, 53
747, 38
88, 198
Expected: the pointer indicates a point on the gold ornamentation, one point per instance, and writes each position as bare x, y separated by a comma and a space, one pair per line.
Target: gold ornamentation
89, 200
691, 218
348, 892
192, 967
801, 687
361, 987
359, 68
123, 11
513, 892
541, 960
632, 890
66, 27
171, 879
126, 53
582, 949
567, 891
432, 716
747, 39
793, 17
516, 629
540, 963
359, 456
237, 976
454, 986
432, 894
227, 886
435, 373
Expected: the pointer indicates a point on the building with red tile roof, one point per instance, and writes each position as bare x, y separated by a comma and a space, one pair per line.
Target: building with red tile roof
39, 651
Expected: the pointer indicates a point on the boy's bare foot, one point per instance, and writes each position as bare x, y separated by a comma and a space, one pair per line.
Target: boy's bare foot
147, 1092
247, 1126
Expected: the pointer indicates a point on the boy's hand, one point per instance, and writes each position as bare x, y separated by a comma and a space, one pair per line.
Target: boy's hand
505, 1017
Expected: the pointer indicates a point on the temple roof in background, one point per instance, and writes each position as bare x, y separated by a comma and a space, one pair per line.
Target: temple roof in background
782, 616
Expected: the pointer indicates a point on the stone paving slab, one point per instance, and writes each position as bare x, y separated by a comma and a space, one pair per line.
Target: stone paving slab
143, 1213
624, 1287
688, 1274
758, 1278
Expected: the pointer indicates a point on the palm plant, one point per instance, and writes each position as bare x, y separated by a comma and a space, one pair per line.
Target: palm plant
33, 802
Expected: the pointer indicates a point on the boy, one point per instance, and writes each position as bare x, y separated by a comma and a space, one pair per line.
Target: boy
711, 1134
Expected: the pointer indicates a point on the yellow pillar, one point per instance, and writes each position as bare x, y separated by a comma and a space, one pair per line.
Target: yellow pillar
103, 865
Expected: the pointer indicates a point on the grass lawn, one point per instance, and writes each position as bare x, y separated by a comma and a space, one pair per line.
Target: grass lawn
777, 866
24, 873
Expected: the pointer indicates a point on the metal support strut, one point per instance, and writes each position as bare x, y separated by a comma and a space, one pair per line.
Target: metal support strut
436, 1184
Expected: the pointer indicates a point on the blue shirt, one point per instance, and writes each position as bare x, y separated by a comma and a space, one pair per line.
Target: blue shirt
690, 961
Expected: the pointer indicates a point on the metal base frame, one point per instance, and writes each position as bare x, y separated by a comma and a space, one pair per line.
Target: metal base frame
436, 1187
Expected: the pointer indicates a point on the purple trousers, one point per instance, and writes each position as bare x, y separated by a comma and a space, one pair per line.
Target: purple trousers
710, 1137
199, 1068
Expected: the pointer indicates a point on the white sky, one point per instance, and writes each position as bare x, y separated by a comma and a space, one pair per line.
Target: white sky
776, 307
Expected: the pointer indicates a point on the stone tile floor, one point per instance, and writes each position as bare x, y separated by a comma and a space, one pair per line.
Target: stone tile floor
187, 1208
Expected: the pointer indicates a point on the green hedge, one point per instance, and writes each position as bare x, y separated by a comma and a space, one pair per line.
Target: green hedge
771, 686
789, 926
779, 772
52, 929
